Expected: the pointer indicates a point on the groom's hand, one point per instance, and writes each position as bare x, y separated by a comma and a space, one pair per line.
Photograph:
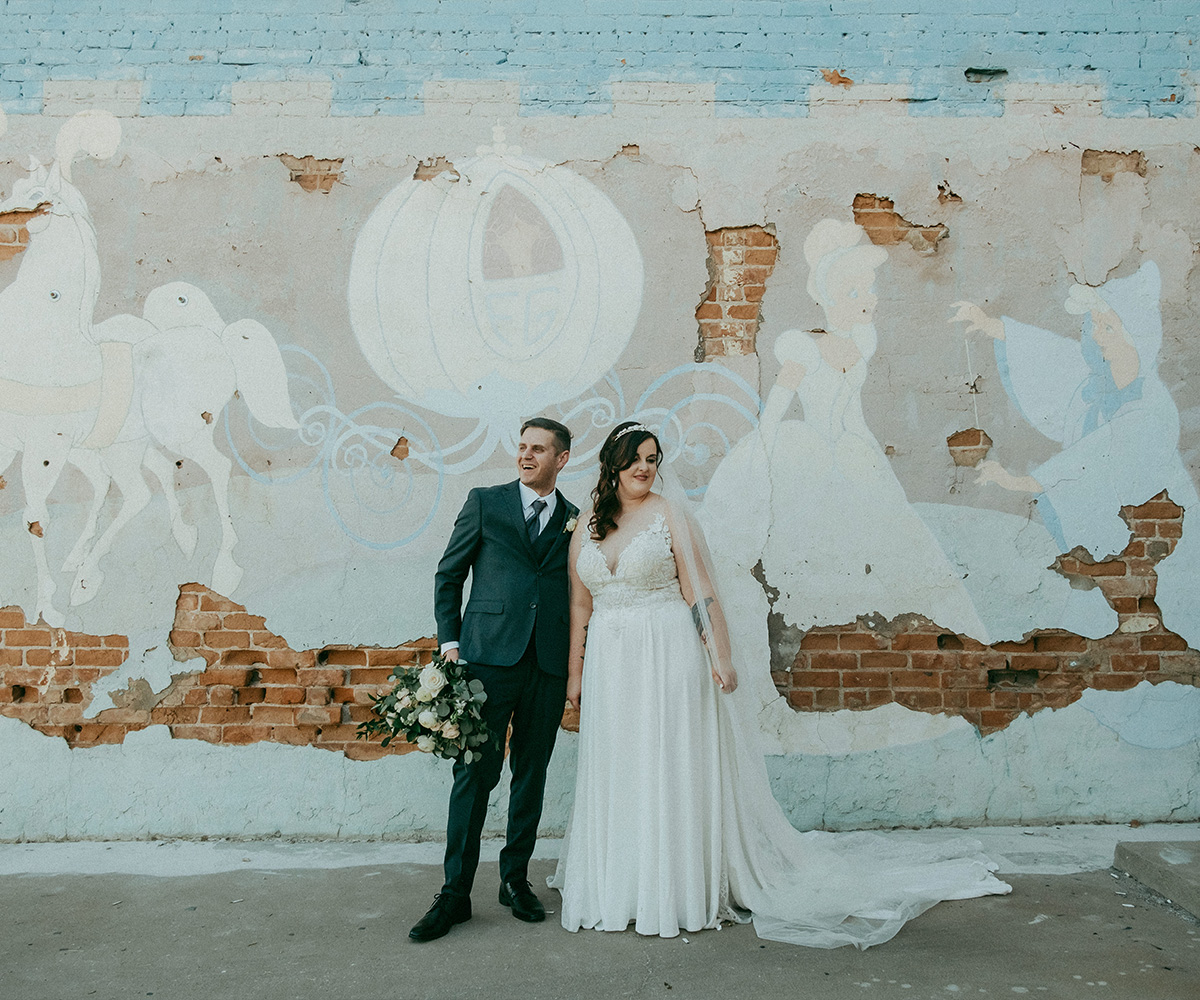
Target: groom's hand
451, 655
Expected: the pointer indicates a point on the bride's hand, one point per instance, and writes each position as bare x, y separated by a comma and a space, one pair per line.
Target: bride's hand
728, 682
574, 690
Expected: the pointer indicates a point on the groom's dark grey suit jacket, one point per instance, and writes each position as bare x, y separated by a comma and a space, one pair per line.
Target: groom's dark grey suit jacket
518, 587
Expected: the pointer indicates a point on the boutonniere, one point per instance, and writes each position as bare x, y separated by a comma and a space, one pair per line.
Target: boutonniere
570, 525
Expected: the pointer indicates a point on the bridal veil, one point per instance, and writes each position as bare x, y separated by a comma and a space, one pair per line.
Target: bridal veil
817, 889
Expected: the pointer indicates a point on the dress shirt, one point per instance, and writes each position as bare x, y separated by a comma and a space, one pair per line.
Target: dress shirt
528, 496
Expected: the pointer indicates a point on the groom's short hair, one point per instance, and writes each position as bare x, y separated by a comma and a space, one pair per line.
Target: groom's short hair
562, 436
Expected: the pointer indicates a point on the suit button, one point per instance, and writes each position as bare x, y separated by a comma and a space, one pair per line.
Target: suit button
534, 605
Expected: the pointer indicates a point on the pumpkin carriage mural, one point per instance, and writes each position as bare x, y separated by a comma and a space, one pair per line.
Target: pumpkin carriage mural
501, 288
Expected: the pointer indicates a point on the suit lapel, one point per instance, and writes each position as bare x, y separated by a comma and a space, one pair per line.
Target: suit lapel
545, 541
563, 511
515, 511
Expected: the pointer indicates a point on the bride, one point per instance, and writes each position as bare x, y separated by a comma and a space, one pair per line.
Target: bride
674, 826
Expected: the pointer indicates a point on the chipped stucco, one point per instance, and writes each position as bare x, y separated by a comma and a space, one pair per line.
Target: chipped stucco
329, 557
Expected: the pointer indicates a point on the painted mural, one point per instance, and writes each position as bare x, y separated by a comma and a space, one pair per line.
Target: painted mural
1100, 397
227, 483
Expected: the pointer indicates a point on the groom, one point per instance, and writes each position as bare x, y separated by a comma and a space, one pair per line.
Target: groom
513, 540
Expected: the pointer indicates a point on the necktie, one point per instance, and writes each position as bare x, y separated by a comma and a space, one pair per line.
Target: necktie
533, 525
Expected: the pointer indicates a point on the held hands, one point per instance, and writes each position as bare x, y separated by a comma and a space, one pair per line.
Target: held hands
574, 690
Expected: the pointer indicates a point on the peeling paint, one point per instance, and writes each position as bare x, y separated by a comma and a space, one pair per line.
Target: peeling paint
835, 79
969, 447
740, 260
433, 167
311, 173
946, 196
337, 530
1106, 164
886, 227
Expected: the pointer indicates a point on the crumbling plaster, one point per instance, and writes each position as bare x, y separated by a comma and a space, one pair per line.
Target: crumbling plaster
212, 202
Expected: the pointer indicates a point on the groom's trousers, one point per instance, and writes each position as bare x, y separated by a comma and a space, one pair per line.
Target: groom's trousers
532, 700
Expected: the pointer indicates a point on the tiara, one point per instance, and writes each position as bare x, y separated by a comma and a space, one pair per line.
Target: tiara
630, 429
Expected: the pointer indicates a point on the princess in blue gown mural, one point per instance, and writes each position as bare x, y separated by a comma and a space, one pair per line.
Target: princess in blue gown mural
1102, 399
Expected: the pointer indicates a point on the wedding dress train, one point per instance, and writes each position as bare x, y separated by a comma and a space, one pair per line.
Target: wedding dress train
674, 827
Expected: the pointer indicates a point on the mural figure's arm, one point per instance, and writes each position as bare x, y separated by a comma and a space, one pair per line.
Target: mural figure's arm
991, 471
976, 319
452, 572
797, 355
1124, 461
1040, 370
581, 614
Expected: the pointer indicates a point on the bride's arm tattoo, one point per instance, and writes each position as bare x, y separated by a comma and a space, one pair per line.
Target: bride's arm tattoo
695, 609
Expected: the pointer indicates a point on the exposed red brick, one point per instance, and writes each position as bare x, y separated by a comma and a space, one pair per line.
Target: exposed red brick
252, 686
313, 174
886, 227
917, 664
861, 640
740, 260
968, 448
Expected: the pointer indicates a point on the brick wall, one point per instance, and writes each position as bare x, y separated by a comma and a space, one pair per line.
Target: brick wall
14, 236
911, 661
253, 688
46, 675
740, 260
756, 57
886, 227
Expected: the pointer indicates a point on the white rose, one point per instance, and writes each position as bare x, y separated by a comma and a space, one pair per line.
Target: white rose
432, 679
426, 743
450, 731
404, 701
424, 694
571, 523
429, 720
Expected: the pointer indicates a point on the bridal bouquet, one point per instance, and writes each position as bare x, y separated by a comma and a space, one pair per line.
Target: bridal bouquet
436, 708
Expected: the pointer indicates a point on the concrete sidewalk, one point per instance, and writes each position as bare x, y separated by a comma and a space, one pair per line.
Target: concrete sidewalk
275, 920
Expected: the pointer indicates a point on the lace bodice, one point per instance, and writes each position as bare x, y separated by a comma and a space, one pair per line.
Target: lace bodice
644, 573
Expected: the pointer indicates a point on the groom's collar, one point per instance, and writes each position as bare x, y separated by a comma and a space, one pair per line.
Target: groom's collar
529, 495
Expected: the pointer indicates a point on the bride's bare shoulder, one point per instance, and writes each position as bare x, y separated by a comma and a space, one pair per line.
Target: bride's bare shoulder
661, 506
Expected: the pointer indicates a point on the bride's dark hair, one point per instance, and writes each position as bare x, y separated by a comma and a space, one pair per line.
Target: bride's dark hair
617, 454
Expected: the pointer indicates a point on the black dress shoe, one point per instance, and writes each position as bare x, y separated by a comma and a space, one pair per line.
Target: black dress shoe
519, 897
446, 911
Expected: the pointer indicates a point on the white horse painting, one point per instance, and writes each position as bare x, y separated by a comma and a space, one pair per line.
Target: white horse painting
114, 397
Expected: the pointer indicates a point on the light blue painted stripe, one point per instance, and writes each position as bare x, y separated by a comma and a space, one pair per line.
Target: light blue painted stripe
761, 55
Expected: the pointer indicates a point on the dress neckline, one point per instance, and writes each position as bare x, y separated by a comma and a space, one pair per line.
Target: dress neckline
655, 522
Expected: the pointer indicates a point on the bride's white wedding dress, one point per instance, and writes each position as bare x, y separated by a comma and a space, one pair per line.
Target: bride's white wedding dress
674, 826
